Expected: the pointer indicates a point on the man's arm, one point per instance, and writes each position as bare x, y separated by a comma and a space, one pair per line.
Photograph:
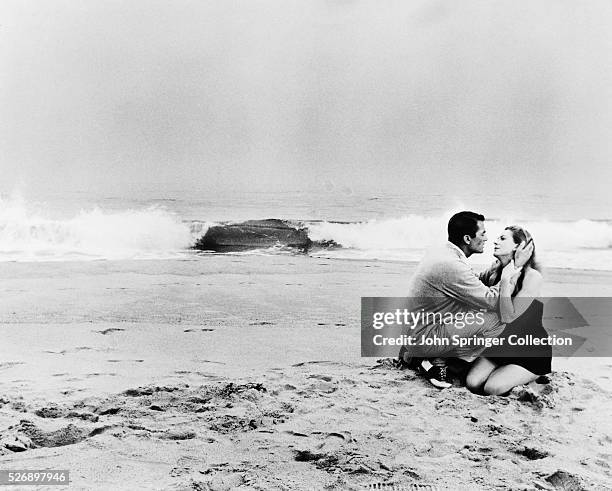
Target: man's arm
462, 284
488, 276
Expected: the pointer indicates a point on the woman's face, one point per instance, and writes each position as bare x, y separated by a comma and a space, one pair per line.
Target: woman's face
504, 244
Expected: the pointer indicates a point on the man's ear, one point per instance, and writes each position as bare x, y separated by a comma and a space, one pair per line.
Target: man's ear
466, 239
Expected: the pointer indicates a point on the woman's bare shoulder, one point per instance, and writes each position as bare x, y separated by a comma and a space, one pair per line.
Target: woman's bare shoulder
532, 278
533, 274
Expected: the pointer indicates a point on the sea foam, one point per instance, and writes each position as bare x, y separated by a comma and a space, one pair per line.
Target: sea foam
572, 244
29, 235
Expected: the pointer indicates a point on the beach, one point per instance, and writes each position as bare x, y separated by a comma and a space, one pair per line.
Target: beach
243, 371
202, 200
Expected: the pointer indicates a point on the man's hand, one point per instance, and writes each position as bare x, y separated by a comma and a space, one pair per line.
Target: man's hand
523, 254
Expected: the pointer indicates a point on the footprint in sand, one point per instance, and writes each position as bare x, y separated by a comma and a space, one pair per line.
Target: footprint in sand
338, 435
531, 453
295, 433
326, 378
52, 412
208, 376
109, 330
318, 362
603, 460
367, 409
332, 442
97, 374
322, 386
565, 480
64, 436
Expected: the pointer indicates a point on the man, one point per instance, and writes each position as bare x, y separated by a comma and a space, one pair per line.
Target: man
445, 283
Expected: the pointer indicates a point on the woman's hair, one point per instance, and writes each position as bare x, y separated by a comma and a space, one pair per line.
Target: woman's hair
519, 234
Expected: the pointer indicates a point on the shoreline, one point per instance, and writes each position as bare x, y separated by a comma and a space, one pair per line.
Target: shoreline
194, 255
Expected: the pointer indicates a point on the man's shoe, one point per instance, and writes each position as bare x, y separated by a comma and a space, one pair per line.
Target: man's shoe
437, 375
405, 361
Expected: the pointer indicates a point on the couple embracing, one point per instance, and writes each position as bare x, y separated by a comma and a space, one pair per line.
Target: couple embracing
504, 296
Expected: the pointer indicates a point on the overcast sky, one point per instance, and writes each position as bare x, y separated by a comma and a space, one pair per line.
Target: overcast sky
283, 94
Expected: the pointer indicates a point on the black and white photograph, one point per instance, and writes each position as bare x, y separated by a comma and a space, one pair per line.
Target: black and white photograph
306, 245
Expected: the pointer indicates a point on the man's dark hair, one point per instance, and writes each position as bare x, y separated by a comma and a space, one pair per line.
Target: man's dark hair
462, 224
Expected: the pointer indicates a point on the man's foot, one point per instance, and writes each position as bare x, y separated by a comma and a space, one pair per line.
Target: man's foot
406, 361
436, 374
412, 363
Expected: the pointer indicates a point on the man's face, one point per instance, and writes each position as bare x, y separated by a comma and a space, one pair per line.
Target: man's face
476, 244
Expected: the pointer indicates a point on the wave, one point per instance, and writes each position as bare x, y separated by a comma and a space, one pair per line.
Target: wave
584, 244
31, 235
416, 232
578, 244
411, 232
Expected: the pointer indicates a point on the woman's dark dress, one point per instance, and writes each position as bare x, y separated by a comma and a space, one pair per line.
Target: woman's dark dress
536, 359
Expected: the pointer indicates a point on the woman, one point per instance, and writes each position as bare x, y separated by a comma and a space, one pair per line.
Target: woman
495, 373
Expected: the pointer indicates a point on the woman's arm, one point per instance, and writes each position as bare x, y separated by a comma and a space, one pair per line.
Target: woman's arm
511, 308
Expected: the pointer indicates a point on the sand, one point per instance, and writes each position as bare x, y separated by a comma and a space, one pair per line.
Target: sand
243, 372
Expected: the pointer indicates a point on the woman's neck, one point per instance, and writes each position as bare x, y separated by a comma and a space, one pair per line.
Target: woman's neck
504, 260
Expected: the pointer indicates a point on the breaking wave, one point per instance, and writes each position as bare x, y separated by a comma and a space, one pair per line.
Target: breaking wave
577, 244
29, 235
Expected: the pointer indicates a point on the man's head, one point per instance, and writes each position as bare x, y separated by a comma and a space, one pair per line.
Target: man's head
466, 230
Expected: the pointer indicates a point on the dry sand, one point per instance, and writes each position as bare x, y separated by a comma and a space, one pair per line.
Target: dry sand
243, 372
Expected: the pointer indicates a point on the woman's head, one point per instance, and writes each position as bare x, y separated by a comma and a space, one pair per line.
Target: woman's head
509, 240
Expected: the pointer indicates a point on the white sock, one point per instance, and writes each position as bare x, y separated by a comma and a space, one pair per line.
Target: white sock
426, 364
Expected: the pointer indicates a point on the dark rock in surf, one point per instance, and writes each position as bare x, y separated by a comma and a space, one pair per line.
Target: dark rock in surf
253, 234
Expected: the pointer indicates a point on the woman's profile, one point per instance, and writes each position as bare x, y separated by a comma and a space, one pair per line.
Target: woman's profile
496, 373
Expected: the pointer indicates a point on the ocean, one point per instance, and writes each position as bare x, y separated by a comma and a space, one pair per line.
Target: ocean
81, 226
